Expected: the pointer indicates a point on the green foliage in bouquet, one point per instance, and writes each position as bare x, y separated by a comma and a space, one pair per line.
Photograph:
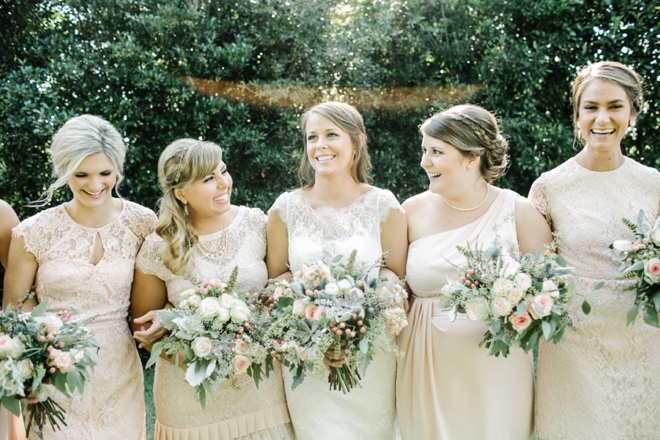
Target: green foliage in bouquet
39, 348
640, 260
218, 336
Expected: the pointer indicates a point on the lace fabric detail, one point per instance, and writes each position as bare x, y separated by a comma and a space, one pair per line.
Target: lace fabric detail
603, 379
65, 277
322, 233
230, 413
325, 232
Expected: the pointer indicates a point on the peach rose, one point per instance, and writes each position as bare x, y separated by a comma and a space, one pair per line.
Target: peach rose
241, 363
501, 307
541, 305
652, 270
241, 347
519, 322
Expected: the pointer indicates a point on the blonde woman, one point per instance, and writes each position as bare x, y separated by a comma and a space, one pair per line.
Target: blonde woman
200, 234
82, 253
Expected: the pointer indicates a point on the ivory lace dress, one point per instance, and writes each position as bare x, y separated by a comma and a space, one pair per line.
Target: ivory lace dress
320, 234
112, 406
602, 381
246, 413
449, 388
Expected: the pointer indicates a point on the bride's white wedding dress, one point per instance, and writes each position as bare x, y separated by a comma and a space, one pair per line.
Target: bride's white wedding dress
320, 234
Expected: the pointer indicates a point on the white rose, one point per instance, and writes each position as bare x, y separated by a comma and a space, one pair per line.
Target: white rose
550, 288
24, 367
61, 360
227, 301
502, 286
515, 295
78, 356
344, 285
502, 307
193, 300
186, 293
240, 313
202, 346
241, 363
9, 347
654, 236
208, 308
299, 306
331, 289
522, 281
541, 306
223, 315
477, 309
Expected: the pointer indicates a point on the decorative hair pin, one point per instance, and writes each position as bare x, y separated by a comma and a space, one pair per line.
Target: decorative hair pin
182, 163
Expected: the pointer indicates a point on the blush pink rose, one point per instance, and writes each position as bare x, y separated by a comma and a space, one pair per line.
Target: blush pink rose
241, 347
541, 306
652, 270
241, 363
319, 313
520, 322
310, 311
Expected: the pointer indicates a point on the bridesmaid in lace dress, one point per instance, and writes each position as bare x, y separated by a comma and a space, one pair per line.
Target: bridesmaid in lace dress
200, 234
602, 380
11, 427
448, 387
336, 212
82, 253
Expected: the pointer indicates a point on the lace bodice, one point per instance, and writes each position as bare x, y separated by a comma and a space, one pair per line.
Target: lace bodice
112, 405
245, 246
324, 232
603, 379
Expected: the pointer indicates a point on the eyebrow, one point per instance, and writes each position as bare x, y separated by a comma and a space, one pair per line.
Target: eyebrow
610, 102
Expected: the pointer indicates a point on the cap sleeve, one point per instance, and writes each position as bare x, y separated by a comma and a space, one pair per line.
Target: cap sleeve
386, 203
149, 260
538, 197
281, 206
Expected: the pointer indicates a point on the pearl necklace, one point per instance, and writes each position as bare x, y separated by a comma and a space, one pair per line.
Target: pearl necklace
474, 207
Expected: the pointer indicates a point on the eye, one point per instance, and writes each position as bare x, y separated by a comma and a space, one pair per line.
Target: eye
590, 107
208, 179
106, 173
225, 171
616, 106
436, 151
311, 137
80, 175
331, 134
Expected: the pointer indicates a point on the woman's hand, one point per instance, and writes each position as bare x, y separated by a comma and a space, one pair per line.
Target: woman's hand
335, 362
153, 332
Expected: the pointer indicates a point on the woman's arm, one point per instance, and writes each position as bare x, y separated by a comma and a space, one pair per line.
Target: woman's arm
277, 253
8, 220
19, 278
533, 230
148, 296
394, 241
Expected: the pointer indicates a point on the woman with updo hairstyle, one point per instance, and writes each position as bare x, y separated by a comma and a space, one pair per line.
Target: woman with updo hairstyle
448, 387
201, 235
82, 253
603, 379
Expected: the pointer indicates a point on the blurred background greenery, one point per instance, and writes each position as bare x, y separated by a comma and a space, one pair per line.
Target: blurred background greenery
240, 73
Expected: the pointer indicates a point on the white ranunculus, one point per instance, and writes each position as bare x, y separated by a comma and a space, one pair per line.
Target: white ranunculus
299, 306
24, 368
654, 236
501, 306
227, 301
202, 346
10, 347
240, 312
477, 309
208, 308
223, 315
550, 288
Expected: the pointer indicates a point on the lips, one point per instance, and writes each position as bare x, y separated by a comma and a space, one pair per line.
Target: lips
603, 132
94, 194
222, 198
433, 176
324, 158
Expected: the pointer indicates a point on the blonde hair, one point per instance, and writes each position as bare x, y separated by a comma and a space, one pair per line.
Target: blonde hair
474, 132
348, 119
78, 138
615, 73
182, 163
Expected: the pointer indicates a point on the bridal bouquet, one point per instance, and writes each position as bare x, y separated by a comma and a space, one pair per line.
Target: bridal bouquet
219, 334
520, 297
334, 306
640, 259
39, 348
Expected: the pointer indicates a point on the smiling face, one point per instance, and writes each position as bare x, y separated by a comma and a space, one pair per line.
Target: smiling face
92, 182
604, 115
209, 196
445, 165
330, 149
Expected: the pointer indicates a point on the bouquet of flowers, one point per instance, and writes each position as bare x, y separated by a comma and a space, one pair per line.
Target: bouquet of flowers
219, 334
519, 297
336, 306
39, 348
641, 259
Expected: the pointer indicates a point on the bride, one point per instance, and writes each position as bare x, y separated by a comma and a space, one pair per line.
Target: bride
334, 213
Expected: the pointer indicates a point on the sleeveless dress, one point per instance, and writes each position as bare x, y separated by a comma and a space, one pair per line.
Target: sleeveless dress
112, 405
449, 388
602, 381
246, 413
315, 234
